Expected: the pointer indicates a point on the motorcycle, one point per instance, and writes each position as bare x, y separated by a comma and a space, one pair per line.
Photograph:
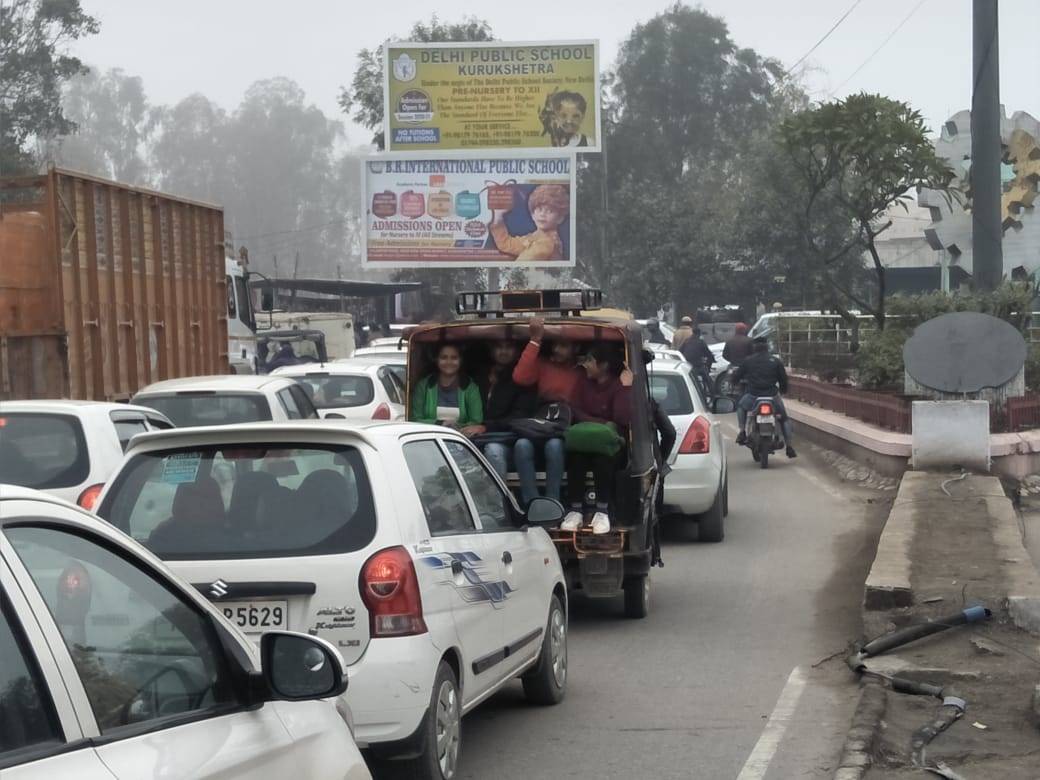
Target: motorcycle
764, 433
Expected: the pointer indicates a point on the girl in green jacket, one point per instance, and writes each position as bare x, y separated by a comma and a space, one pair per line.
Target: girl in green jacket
448, 396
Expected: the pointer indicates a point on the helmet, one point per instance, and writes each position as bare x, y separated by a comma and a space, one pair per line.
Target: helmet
741, 329
687, 320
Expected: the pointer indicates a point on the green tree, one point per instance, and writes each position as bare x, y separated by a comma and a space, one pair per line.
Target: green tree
34, 35
113, 124
189, 151
857, 157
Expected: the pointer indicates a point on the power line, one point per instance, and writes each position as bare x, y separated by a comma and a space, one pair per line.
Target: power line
826, 35
873, 54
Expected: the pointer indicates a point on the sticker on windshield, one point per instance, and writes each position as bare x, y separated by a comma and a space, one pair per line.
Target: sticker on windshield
182, 467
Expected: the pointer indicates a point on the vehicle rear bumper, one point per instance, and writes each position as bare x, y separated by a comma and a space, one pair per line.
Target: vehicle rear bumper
691, 486
389, 688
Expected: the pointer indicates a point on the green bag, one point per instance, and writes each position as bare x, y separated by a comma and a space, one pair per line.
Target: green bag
594, 438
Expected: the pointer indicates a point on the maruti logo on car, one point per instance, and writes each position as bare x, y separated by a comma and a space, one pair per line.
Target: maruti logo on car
218, 589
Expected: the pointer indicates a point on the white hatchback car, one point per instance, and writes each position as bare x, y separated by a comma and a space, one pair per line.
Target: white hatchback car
225, 399
69, 448
698, 485
394, 359
114, 668
394, 541
351, 390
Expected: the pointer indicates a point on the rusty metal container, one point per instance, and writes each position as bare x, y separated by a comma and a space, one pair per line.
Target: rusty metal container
105, 288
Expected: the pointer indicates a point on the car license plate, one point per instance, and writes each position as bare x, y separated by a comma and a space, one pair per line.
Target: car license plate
765, 418
253, 617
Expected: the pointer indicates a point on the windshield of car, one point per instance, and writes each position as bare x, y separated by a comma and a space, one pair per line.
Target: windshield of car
671, 393
337, 391
42, 451
188, 409
245, 501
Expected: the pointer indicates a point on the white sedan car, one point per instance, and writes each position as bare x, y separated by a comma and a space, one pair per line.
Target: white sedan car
69, 448
395, 542
225, 399
350, 389
114, 668
697, 487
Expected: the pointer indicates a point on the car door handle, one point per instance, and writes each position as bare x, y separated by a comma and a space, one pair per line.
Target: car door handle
456, 567
507, 557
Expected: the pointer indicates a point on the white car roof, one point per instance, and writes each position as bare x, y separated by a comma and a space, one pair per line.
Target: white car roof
338, 368
668, 366
59, 405
296, 430
218, 383
19, 493
376, 358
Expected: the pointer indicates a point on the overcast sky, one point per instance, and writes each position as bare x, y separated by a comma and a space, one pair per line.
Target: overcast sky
219, 47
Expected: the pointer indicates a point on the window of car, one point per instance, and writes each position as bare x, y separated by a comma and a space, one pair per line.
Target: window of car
337, 391
157, 424
205, 408
490, 501
144, 653
303, 403
441, 497
42, 451
229, 283
390, 384
127, 427
292, 411
671, 393
28, 721
245, 501
703, 392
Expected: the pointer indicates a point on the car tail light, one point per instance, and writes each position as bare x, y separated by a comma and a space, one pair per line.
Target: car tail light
765, 408
89, 497
382, 412
390, 590
697, 440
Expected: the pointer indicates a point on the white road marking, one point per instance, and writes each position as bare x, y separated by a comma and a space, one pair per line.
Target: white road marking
768, 743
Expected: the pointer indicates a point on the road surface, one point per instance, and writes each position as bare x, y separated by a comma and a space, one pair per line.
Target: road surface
718, 681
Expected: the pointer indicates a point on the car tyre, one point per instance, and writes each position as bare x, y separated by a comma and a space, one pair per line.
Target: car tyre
711, 525
725, 497
637, 597
442, 737
547, 683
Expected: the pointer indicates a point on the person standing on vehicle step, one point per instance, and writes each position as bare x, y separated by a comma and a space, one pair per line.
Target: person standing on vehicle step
766, 377
739, 347
604, 396
682, 333
557, 377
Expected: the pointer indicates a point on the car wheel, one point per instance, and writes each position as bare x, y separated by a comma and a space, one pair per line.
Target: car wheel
725, 497
442, 739
710, 525
547, 682
637, 597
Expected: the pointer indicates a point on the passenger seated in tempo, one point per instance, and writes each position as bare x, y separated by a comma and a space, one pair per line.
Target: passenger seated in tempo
447, 396
604, 396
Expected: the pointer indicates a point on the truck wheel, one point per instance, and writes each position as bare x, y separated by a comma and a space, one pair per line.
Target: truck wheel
637, 597
547, 682
710, 525
442, 737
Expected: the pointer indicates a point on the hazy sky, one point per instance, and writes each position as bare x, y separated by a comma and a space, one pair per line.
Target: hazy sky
219, 47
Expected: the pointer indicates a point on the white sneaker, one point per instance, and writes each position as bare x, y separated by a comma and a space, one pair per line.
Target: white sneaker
600, 523
572, 521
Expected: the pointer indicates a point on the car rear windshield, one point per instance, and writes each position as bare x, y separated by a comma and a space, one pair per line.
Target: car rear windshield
671, 393
245, 501
188, 409
42, 451
338, 391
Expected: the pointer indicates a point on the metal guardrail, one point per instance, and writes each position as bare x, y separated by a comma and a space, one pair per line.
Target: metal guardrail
884, 411
1023, 412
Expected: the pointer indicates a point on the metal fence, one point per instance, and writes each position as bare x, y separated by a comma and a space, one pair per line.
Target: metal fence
1023, 412
880, 409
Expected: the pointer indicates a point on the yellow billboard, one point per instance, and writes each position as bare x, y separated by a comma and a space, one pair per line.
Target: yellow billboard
492, 95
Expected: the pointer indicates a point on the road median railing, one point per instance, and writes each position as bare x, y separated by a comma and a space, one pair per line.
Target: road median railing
880, 409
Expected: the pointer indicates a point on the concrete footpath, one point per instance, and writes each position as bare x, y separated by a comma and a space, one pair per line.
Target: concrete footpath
952, 541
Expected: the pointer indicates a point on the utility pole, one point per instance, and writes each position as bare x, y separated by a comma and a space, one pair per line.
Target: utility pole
986, 153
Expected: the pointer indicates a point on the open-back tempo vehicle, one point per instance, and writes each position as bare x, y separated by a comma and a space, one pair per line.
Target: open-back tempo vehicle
598, 565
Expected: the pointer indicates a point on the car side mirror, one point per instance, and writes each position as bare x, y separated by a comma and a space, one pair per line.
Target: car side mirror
723, 405
298, 667
544, 511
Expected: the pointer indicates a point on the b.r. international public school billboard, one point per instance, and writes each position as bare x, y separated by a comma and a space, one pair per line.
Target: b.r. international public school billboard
445, 96
460, 210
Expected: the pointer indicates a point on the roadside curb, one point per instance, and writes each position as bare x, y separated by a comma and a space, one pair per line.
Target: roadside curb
1023, 601
888, 583
857, 754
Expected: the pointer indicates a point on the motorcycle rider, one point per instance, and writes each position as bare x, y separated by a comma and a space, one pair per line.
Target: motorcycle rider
653, 329
766, 377
682, 333
697, 354
738, 347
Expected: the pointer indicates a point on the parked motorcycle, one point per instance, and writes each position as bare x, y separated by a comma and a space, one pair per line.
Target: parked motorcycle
765, 435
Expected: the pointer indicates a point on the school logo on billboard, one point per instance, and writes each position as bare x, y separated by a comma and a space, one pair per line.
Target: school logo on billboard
404, 68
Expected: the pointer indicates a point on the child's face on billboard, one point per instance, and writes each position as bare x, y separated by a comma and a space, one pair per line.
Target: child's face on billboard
546, 217
569, 117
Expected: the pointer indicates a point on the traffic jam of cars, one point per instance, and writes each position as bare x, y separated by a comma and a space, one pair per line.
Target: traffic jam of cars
246, 575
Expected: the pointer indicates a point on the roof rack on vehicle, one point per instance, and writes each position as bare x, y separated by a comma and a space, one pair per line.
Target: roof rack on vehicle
499, 303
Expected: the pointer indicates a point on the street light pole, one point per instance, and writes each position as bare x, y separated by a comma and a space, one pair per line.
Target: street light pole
986, 153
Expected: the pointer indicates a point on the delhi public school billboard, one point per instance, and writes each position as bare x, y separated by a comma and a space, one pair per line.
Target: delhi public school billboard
492, 95
468, 211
